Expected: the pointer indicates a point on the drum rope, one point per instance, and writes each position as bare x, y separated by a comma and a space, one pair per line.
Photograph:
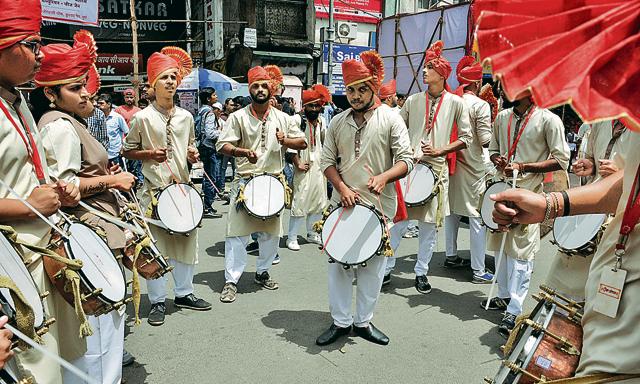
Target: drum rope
25, 318
135, 288
513, 335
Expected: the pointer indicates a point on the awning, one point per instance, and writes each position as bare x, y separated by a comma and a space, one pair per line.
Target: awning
285, 55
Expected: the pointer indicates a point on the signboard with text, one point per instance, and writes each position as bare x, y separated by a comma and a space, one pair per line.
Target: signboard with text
116, 66
362, 11
214, 31
341, 52
81, 12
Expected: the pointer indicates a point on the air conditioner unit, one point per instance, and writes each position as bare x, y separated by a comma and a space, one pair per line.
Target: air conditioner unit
346, 30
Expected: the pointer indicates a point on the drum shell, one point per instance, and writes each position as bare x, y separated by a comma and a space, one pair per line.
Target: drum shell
149, 266
258, 216
586, 250
485, 195
433, 194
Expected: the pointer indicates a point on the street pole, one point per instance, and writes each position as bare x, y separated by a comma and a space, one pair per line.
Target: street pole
330, 39
134, 37
187, 4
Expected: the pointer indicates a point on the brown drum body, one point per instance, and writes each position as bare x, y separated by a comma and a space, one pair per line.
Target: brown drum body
149, 265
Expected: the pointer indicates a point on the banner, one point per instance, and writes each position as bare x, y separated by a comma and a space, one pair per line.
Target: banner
81, 12
213, 32
116, 66
362, 11
341, 53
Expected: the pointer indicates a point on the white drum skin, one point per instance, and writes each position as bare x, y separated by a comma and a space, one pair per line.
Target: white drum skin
486, 210
578, 234
418, 187
180, 208
264, 196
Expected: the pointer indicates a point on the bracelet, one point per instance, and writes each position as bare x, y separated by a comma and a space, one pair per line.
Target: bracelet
547, 210
556, 204
567, 204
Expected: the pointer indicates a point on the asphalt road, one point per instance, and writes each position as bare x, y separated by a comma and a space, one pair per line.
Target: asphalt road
269, 336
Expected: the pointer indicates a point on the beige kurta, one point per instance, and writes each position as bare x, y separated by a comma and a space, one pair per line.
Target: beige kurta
243, 130
310, 188
149, 131
16, 170
381, 142
543, 138
465, 191
611, 345
453, 110
599, 138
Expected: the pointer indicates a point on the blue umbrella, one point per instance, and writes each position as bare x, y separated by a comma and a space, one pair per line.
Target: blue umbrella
209, 78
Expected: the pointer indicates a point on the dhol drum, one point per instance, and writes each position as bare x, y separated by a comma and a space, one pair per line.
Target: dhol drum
179, 207
486, 210
102, 283
419, 186
264, 196
547, 346
351, 236
578, 235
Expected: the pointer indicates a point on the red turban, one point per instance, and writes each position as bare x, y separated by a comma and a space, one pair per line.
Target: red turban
468, 71
317, 94
388, 89
128, 91
63, 64
270, 74
169, 58
370, 70
19, 20
434, 56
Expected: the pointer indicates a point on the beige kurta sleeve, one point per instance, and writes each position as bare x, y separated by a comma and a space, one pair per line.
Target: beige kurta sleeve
63, 153
231, 134
483, 123
133, 140
461, 118
330, 148
554, 135
293, 129
494, 144
400, 144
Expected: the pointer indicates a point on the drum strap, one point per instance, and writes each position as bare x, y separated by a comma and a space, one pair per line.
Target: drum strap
615, 136
25, 319
513, 335
145, 243
440, 192
594, 379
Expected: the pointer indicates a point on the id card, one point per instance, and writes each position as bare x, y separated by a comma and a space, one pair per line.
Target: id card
610, 292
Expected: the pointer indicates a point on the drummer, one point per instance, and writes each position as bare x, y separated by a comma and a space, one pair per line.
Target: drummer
61, 104
465, 189
162, 136
309, 184
257, 136
434, 140
22, 168
365, 138
568, 274
531, 140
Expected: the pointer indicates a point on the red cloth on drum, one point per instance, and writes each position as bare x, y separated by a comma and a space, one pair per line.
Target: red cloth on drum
19, 20
318, 93
369, 70
434, 56
401, 212
388, 89
582, 52
63, 64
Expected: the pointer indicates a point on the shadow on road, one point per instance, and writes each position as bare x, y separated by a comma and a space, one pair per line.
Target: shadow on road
215, 281
135, 373
303, 327
216, 250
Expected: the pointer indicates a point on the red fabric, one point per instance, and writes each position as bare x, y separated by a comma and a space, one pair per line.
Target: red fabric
258, 74
468, 71
434, 56
318, 93
63, 64
582, 52
452, 157
388, 89
19, 20
159, 63
370, 70
127, 112
93, 80
129, 92
401, 211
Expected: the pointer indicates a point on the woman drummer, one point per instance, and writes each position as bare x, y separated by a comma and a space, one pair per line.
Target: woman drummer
61, 104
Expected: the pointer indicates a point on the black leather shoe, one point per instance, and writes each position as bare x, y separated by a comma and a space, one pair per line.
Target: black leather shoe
192, 302
372, 334
422, 284
156, 315
332, 334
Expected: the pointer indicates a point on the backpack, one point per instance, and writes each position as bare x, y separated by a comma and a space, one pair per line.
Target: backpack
201, 118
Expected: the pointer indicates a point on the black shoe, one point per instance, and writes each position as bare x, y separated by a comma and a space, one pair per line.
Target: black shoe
332, 334
252, 247
386, 280
127, 359
156, 314
422, 284
372, 334
496, 304
456, 262
265, 280
192, 302
226, 198
212, 214
507, 324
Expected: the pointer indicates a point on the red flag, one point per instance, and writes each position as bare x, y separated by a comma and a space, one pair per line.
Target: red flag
401, 211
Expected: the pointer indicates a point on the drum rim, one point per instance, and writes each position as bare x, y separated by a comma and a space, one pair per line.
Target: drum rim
284, 203
482, 201
581, 249
380, 246
155, 209
434, 192
83, 277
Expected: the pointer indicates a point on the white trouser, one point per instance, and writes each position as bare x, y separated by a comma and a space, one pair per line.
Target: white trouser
477, 237
296, 221
369, 282
182, 281
426, 245
514, 277
235, 254
103, 359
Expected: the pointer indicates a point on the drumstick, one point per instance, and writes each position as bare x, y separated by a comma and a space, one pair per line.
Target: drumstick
384, 217
111, 219
40, 215
60, 361
175, 179
500, 253
137, 203
324, 246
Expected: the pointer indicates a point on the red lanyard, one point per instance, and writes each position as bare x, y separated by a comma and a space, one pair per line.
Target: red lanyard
312, 135
255, 114
427, 112
29, 143
631, 215
512, 148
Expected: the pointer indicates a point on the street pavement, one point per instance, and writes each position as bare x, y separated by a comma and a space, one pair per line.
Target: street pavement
269, 336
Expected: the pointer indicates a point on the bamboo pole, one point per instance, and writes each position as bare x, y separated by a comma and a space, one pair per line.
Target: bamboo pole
134, 36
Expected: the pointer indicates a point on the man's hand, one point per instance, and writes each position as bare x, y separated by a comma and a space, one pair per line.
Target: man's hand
302, 166
193, 156
45, 199
159, 155
5, 342
348, 197
280, 136
115, 168
582, 167
68, 193
377, 183
252, 156
607, 167
509, 168
499, 161
518, 206
429, 151
123, 181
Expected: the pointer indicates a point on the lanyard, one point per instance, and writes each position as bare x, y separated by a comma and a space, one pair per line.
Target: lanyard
263, 129
630, 218
29, 143
312, 136
512, 148
427, 112
614, 138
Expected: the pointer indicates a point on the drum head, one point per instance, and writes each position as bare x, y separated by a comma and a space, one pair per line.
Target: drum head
264, 196
13, 266
486, 211
100, 268
573, 232
355, 237
180, 208
418, 185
